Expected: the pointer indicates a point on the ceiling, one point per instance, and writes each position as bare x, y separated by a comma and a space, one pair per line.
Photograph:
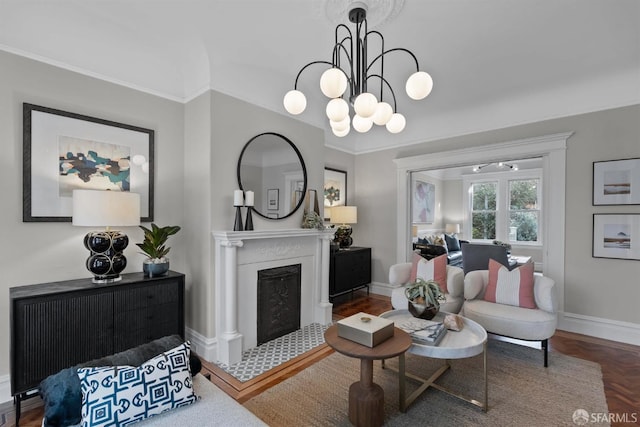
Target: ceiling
495, 63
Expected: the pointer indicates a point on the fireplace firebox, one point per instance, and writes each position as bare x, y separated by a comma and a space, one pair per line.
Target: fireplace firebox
278, 301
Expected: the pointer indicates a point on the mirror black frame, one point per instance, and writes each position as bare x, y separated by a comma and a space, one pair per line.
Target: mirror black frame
304, 173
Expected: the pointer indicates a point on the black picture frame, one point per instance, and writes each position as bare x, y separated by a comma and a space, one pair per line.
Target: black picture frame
50, 138
616, 182
616, 236
335, 187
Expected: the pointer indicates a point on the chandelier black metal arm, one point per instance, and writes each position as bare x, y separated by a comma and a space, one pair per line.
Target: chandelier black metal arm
352, 47
393, 95
393, 50
295, 85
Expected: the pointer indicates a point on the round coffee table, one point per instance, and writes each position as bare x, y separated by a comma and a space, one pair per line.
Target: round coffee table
470, 341
366, 399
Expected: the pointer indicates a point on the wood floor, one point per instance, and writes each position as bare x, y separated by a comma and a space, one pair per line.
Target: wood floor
620, 364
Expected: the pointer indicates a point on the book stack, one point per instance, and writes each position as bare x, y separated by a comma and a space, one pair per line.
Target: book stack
423, 331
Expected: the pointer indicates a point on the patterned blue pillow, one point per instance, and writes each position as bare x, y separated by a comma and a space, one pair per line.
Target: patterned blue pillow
121, 395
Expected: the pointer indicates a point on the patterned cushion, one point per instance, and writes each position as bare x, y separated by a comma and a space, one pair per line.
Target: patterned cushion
434, 269
510, 287
121, 395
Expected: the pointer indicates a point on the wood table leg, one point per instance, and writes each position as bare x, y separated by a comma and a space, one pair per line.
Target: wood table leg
366, 399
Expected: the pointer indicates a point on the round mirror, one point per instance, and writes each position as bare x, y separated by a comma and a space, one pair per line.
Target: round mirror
271, 166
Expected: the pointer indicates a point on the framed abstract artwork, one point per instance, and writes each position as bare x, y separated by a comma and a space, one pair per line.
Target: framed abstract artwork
616, 236
63, 151
423, 202
616, 182
335, 187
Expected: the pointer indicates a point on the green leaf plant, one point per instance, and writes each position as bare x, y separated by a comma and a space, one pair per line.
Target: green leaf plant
425, 292
155, 239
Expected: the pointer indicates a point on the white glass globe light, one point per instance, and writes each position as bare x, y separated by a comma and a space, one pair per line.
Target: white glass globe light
295, 102
341, 133
365, 104
383, 113
337, 109
362, 124
419, 85
333, 83
145, 167
397, 123
341, 125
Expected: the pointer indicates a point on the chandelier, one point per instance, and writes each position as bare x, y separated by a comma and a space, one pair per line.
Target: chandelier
350, 69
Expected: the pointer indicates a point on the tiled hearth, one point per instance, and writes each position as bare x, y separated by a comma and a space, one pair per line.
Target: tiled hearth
267, 356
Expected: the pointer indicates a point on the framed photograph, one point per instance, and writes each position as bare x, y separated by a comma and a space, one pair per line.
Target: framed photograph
272, 215
616, 182
616, 236
335, 187
273, 199
64, 151
423, 201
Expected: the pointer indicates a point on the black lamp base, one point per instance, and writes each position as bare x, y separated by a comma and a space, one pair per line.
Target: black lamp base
106, 260
343, 236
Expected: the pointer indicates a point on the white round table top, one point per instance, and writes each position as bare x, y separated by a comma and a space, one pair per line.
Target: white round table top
467, 342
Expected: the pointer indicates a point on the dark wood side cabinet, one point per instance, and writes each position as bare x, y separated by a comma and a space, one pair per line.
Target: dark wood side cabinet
58, 325
350, 269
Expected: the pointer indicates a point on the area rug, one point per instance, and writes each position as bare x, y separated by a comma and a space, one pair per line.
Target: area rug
521, 391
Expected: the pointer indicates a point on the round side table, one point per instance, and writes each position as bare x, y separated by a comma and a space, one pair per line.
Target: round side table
366, 399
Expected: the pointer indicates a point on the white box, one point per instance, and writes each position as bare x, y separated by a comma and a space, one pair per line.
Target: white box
365, 329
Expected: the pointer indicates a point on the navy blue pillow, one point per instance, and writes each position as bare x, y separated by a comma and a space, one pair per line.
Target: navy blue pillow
62, 398
453, 244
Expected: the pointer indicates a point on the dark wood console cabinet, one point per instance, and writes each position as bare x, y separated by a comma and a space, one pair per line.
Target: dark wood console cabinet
350, 269
58, 325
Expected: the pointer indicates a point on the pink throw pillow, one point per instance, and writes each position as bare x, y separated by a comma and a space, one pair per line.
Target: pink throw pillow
510, 287
434, 269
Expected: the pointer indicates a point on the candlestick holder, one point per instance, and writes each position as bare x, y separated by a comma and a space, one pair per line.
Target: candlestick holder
248, 225
237, 226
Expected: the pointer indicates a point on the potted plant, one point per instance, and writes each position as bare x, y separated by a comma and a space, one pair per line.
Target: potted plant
424, 298
153, 245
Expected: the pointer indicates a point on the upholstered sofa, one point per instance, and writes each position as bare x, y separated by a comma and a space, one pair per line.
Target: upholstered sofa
529, 324
206, 404
399, 275
433, 246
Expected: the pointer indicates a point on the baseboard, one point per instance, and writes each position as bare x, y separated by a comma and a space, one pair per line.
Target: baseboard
206, 348
607, 329
5, 389
382, 288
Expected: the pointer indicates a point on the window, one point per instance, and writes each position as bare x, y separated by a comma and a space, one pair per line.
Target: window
504, 206
524, 212
483, 210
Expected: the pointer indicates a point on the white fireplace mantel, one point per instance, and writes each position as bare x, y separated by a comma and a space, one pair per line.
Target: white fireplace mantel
238, 257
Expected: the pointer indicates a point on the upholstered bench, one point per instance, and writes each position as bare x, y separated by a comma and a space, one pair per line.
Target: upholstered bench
529, 324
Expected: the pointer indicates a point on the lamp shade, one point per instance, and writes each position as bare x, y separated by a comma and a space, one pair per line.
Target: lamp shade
106, 208
452, 228
344, 214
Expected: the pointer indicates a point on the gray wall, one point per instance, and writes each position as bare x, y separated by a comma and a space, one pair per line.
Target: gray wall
218, 127
196, 151
42, 252
594, 287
